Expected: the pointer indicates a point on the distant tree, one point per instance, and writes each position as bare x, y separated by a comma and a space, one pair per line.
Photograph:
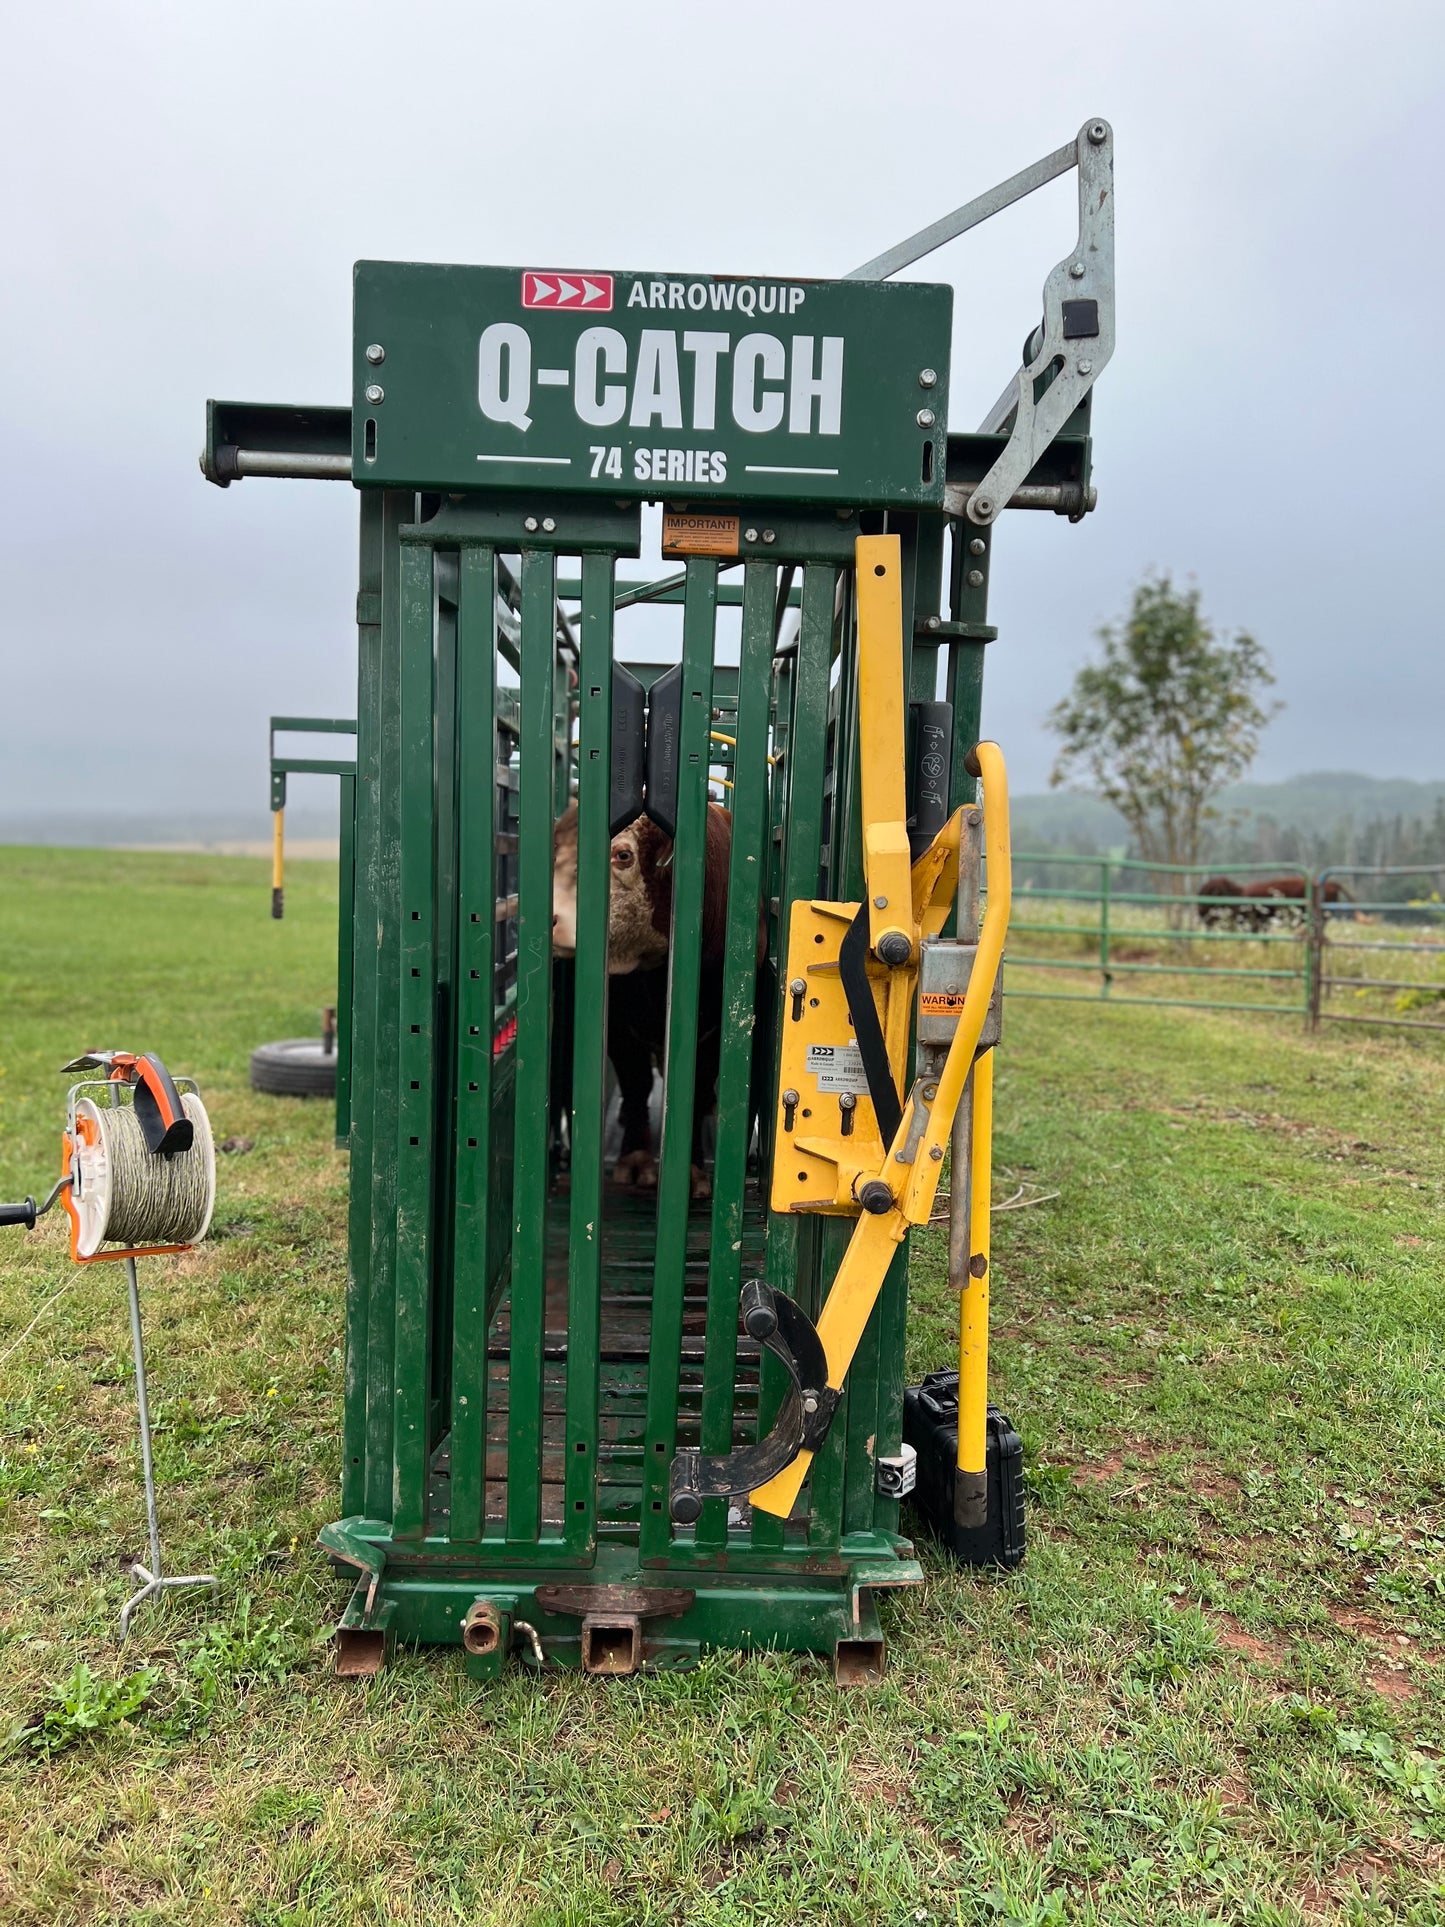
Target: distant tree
1164, 721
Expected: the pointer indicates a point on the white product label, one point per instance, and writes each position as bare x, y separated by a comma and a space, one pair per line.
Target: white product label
838, 1067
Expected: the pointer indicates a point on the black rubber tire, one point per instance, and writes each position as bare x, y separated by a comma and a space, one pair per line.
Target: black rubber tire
295, 1067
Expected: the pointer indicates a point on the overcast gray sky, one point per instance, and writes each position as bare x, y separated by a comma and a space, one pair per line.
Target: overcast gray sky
187, 187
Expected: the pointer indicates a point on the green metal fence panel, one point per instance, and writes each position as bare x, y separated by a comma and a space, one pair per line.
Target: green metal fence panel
1111, 930
749, 849
416, 1047
528, 1296
581, 1441
474, 1144
684, 986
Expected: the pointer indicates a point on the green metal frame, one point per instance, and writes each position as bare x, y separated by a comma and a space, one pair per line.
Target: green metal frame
345, 769
1109, 966
525, 1358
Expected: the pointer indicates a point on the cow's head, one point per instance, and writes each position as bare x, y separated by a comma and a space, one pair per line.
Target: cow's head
634, 939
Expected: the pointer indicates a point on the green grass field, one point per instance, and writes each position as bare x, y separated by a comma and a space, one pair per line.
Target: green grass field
1214, 1692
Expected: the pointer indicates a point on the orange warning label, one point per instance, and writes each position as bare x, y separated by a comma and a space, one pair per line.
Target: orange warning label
699, 534
941, 1003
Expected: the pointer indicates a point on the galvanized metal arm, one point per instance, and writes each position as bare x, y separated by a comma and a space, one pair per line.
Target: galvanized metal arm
1067, 352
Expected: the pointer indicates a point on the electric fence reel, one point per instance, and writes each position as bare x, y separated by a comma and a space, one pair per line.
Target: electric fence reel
137, 1179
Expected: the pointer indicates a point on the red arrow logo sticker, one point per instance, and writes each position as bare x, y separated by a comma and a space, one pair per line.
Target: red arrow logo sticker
570, 290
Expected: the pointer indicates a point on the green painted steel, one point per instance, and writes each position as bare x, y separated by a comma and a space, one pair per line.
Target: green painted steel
528, 1294
684, 990
589, 1049
717, 388
529, 1343
739, 1005
473, 1147
1180, 934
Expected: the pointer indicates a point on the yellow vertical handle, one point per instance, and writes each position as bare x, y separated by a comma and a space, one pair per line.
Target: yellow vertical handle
887, 861
973, 1299
278, 861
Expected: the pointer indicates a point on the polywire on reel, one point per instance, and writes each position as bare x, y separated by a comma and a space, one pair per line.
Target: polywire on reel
125, 1194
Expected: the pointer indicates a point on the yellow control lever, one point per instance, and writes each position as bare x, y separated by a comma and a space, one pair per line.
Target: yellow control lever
877, 1236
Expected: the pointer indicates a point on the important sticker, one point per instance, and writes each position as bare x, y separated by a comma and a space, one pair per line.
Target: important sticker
699, 534
838, 1067
941, 1003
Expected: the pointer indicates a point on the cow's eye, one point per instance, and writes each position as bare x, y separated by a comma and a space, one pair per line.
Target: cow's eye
622, 858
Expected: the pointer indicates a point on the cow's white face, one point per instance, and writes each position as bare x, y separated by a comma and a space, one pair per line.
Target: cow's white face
633, 943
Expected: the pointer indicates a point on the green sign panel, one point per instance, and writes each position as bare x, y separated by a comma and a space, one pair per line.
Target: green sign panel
677, 387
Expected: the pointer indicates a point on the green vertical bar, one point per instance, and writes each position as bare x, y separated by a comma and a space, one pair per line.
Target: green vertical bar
534, 1041
790, 1239
740, 981
684, 975
356, 1011
589, 1050
345, 934
476, 803
374, 1207
415, 1055
1104, 928
444, 817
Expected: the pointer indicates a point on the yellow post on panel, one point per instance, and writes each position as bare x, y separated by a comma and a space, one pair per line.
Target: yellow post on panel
887, 863
973, 1299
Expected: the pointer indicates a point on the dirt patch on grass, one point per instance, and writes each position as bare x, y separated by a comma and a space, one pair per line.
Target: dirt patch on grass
1364, 1625
1390, 1683
1115, 1464
1206, 1483
1236, 1638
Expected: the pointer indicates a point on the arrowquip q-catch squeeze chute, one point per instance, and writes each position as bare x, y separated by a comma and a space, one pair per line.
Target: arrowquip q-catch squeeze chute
604, 1426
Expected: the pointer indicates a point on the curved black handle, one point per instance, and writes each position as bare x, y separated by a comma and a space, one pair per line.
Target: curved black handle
782, 1327
23, 1214
158, 1107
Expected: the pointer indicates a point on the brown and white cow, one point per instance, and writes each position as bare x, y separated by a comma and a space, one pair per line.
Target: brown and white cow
638, 926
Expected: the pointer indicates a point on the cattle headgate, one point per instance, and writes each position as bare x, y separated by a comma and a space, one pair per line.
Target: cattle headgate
601, 1427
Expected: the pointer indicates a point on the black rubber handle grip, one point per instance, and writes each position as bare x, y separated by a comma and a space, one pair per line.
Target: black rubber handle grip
22, 1213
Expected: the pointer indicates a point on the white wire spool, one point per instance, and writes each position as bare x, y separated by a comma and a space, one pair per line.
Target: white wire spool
127, 1194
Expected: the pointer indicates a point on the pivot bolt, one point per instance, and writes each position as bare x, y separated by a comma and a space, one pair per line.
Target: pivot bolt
933, 622
1076, 268
1098, 133
375, 393
983, 506
880, 903
810, 1404
894, 948
935, 1151
927, 377
925, 418
875, 1197
376, 354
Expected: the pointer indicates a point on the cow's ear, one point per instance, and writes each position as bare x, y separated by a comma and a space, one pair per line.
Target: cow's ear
652, 845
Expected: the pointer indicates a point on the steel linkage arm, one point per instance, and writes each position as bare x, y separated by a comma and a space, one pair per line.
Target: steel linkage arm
1067, 352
